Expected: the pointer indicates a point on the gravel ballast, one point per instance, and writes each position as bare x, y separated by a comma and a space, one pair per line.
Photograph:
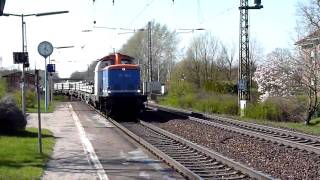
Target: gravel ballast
278, 161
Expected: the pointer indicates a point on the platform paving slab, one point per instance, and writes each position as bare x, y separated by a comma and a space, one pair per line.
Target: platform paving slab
118, 156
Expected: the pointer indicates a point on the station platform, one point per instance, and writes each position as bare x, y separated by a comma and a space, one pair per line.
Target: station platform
89, 147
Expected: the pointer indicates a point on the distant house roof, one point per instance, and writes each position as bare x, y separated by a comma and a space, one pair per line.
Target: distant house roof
18, 73
308, 39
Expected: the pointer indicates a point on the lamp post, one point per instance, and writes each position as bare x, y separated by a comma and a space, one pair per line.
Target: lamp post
24, 47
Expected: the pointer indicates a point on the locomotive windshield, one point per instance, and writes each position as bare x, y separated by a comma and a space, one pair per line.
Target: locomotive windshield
126, 61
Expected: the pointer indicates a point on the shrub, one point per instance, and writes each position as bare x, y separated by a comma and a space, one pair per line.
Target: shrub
30, 98
187, 101
17, 98
230, 107
61, 98
221, 87
3, 88
278, 109
204, 101
11, 120
180, 88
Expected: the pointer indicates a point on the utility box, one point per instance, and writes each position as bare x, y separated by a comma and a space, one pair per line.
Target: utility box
2, 3
152, 87
155, 87
243, 105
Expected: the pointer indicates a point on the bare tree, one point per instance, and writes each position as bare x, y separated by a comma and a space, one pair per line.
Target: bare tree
256, 55
308, 60
228, 55
308, 74
193, 69
203, 53
164, 49
309, 13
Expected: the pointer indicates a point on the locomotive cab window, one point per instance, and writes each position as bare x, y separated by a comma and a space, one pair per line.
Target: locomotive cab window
126, 61
108, 63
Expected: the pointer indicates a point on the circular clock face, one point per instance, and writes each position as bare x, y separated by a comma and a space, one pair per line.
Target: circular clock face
45, 49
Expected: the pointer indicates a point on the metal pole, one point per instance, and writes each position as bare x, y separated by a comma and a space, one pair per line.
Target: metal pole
51, 88
149, 52
244, 74
50, 85
45, 86
39, 114
23, 106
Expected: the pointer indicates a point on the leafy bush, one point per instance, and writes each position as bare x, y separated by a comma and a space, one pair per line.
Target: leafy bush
180, 88
278, 109
11, 120
3, 88
30, 98
221, 87
182, 94
60, 98
17, 98
203, 101
187, 101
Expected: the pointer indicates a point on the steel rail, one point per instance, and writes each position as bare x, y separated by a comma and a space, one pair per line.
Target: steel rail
262, 127
259, 135
180, 168
291, 139
175, 156
173, 163
214, 155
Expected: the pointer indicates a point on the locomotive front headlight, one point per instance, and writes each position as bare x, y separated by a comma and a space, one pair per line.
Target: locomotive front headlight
139, 91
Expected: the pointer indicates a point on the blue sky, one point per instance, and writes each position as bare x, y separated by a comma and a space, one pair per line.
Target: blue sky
273, 26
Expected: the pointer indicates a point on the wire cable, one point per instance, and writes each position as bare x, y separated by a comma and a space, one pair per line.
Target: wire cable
142, 11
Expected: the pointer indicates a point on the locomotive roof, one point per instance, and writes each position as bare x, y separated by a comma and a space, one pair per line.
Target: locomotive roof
120, 66
112, 57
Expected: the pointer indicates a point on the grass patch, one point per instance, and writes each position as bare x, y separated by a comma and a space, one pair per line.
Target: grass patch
19, 154
228, 108
51, 107
61, 98
42, 107
313, 128
204, 102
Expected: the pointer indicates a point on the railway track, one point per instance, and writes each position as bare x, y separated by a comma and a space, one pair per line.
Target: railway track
296, 140
191, 160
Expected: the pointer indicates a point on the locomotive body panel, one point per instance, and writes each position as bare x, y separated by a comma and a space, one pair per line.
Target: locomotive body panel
121, 81
116, 87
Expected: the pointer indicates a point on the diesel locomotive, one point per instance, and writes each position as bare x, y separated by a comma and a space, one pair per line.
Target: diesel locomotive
116, 89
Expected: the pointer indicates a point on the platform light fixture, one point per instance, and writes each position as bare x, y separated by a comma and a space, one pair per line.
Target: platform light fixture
24, 46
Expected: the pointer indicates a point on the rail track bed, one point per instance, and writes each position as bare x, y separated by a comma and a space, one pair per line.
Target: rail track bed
198, 161
293, 139
191, 160
278, 160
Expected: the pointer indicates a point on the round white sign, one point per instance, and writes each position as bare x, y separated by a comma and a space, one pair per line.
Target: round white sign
45, 49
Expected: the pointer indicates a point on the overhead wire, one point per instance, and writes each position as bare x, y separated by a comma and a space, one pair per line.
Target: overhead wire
142, 11
200, 14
